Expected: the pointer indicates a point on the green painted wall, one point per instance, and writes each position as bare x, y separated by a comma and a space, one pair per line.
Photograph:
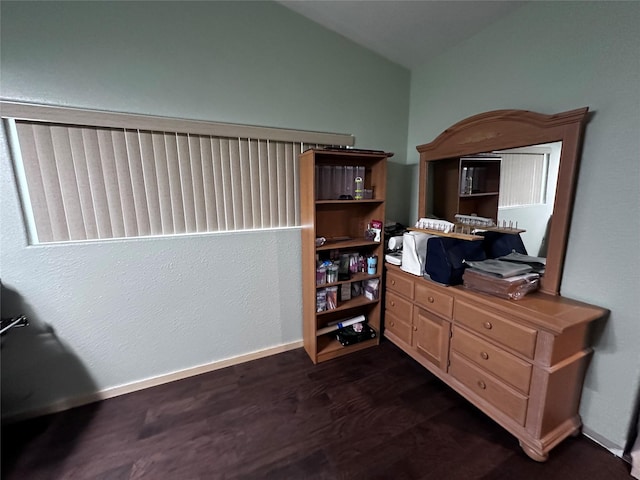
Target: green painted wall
552, 57
109, 314
253, 63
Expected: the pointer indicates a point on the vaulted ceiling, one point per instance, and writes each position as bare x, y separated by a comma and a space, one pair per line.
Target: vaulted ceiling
409, 33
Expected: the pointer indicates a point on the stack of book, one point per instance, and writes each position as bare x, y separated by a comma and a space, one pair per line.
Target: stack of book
512, 276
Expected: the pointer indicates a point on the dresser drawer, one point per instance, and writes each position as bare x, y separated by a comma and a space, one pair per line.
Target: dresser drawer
397, 305
431, 337
517, 337
397, 327
502, 364
507, 400
433, 300
400, 283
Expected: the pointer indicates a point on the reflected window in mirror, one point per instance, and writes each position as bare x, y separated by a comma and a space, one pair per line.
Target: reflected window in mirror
528, 180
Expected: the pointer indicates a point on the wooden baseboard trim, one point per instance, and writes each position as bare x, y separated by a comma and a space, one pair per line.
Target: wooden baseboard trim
68, 403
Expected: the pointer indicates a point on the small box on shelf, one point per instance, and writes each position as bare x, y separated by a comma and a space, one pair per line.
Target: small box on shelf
374, 231
371, 288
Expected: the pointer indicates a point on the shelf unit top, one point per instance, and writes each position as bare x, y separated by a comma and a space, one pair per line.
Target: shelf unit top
468, 236
350, 152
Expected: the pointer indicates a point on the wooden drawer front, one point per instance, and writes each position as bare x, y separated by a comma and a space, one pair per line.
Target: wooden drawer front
517, 337
507, 400
400, 307
400, 284
434, 300
502, 364
431, 337
397, 327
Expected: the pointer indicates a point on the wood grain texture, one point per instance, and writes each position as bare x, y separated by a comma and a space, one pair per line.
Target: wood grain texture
375, 414
342, 223
496, 347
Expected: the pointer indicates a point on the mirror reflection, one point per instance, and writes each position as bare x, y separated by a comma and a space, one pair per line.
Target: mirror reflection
514, 187
528, 180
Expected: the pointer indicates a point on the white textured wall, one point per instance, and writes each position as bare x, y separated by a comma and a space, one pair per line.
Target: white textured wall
552, 57
126, 311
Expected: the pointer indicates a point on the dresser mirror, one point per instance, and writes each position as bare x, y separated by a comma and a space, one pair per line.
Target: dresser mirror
480, 140
521, 195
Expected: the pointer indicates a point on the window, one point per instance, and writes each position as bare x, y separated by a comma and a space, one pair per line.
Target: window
523, 179
95, 175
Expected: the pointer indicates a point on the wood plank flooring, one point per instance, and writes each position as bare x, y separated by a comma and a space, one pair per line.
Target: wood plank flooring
375, 414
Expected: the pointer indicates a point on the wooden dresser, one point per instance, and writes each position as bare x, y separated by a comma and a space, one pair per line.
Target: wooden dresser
520, 362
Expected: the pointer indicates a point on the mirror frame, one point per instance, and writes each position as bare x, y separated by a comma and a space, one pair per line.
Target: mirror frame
502, 129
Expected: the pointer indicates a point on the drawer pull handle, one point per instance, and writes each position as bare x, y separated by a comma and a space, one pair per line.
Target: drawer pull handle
393, 324
393, 282
431, 299
482, 385
487, 325
393, 304
415, 329
484, 355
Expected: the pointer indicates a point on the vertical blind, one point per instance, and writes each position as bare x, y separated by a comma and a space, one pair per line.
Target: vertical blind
95, 182
523, 179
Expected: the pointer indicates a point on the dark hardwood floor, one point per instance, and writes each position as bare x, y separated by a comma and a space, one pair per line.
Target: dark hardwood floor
375, 414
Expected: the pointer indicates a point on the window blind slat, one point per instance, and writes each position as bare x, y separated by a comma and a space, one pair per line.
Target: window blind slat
225, 161
289, 185
297, 150
110, 173
125, 186
265, 198
68, 183
139, 200
216, 152
199, 202
175, 184
281, 192
150, 179
254, 165
245, 187
164, 186
51, 182
186, 184
85, 189
208, 184
236, 183
35, 183
96, 179
273, 184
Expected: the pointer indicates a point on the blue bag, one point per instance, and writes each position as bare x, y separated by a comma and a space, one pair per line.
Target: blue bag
497, 244
445, 258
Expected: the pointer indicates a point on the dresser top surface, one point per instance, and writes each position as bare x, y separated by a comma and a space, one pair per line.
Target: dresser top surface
549, 312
